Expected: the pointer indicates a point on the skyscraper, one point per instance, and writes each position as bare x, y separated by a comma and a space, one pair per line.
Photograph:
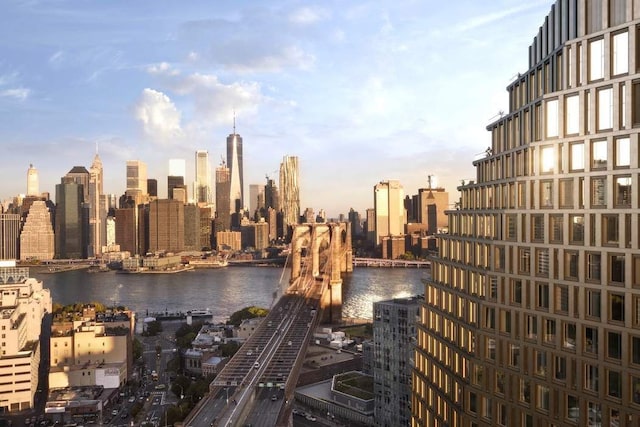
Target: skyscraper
202, 190
9, 236
390, 215
97, 208
71, 223
234, 162
256, 195
137, 180
532, 312
33, 182
223, 202
290, 190
37, 241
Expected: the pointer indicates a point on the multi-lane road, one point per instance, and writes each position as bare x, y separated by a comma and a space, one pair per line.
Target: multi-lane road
257, 383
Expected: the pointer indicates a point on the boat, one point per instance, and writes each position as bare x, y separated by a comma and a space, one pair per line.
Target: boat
208, 263
200, 313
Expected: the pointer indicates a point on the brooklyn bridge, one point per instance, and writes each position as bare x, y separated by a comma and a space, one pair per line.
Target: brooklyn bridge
256, 386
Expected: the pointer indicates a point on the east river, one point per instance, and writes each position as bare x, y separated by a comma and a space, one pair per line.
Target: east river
222, 291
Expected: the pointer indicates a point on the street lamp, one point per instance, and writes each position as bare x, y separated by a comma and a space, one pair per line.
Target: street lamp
226, 389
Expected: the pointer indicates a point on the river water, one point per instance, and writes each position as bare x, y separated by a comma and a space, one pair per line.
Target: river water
223, 290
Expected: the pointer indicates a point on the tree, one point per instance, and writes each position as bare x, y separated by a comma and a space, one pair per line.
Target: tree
137, 349
246, 313
153, 328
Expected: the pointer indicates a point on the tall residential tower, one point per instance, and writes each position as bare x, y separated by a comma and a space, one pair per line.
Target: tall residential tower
532, 313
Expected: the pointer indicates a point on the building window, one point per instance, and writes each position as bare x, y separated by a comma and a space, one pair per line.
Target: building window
569, 336
525, 390
616, 307
572, 114
541, 362
616, 269
514, 355
593, 303
614, 345
556, 234
542, 295
593, 266
620, 60
622, 191
598, 191
542, 394
576, 230
596, 59
576, 161
635, 389
552, 118
537, 222
571, 259
610, 230
566, 193
516, 291
591, 340
623, 152
560, 368
635, 105
546, 194
605, 109
614, 382
549, 331
512, 226
542, 262
591, 378
525, 260
635, 350
636, 270
561, 299
599, 154
532, 327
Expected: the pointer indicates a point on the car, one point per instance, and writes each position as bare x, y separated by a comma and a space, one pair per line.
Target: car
274, 398
256, 365
249, 353
114, 412
124, 415
310, 418
161, 387
132, 399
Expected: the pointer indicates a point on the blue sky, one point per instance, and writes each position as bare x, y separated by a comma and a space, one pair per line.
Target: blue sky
360, 91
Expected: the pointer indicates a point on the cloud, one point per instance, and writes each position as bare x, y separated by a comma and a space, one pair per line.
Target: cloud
56, 58
159, 117
20, 93
487, 18
213, 100
307, 15
163, 68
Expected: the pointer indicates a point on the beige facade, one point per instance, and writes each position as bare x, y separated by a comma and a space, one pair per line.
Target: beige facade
23, 304
390, 213
37, 240
85, 353
532, 313
229, 239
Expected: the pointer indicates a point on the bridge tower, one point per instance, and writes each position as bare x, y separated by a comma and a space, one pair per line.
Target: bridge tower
322, 251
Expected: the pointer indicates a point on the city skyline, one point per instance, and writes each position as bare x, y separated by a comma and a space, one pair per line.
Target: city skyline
340, 87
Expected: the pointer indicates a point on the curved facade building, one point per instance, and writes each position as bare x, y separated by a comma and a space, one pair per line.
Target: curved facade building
532, 313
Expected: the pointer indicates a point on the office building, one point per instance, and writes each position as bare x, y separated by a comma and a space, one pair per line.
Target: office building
394, 335
202, 186
33, 183
137, 181
24, 303
234, 162
152, 188
290, 190
126, 230
390, 215
426, 197
80, 175
256, 198
229, 240
37, 241
223, 201
9, 236
532, 312
166, 226
71, 220
192, 228
97, 208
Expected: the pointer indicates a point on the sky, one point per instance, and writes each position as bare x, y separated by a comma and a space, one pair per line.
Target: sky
360, 91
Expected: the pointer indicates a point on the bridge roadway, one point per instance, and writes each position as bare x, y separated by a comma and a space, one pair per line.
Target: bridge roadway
264, 368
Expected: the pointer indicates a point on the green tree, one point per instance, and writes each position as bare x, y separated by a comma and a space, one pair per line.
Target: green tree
138, 350
228, 349
246, 313
153, 328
